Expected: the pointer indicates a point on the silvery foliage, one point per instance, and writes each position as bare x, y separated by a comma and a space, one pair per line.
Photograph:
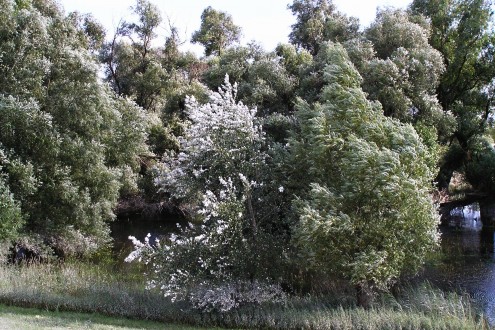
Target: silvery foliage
70, 145
232, 294
406, 70
222, 140
211, 264
208, 264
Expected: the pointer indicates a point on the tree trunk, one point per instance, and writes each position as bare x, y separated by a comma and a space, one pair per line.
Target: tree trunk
487, 213
252, 216
364, 295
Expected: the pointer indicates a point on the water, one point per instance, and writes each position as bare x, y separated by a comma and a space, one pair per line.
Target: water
139, 226
466, 261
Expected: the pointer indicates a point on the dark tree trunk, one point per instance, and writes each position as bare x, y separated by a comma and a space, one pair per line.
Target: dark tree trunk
364, 295
487, 213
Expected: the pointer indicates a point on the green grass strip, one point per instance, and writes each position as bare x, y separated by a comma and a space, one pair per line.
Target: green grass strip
32, 318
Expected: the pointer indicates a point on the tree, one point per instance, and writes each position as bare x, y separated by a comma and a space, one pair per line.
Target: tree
318, 21
69, 146
134, 69
223, 141
366, 214
406, 71
231, 256
263, 81
217, 31
156, 78
92, 32
462, 31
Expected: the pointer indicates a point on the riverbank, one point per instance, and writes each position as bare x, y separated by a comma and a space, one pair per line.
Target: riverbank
87, 288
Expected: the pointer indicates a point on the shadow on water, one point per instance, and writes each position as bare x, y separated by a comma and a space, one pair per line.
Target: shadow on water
140, 225
466, 262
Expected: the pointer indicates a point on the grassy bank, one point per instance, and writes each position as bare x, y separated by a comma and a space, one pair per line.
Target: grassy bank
94, 289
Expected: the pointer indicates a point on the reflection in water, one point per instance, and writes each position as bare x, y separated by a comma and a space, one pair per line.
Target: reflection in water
139, 226
467, 258
467, 217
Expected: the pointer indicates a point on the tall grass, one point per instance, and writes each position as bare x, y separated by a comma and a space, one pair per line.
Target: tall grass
91, 288
83, 288
422, 307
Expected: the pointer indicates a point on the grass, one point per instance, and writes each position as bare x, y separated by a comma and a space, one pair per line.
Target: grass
421, 307
82, 287
32, 319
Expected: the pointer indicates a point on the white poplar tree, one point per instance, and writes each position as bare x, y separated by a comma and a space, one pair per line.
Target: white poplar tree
218, 263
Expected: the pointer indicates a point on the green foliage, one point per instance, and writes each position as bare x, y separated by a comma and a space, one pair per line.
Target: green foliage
174, 110
67, 140
462, 31
480, 169
133, 66
135, 73
222, 141
394, 28
92, 33
10, 213
217, 31
406, 71
234, 253
318, 21
311, 74
156, 78
149, 20
263, 80
367, 214
292, 58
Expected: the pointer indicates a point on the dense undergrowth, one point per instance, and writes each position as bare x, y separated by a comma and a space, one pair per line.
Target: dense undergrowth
84, 287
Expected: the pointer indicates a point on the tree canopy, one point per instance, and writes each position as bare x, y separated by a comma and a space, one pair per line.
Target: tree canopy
462, 31
367, 213
318, 21
69, 145
217, 31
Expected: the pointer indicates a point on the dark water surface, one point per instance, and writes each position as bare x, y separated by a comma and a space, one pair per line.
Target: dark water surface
465, 262
140, 225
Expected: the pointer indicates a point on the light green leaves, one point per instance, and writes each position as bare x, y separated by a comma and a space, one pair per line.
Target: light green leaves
217, 31
367, 214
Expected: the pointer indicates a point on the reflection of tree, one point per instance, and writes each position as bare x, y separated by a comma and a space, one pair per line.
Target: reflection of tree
486, 241
487, 213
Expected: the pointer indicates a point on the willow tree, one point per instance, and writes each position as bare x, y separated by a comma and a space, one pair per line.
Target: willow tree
318, 21
132, 65
217, 31
263, 81
462, 31
366, 213
68, 145
406, 71
157, 78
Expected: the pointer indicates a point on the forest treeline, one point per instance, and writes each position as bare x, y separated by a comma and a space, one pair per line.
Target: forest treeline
315, 160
